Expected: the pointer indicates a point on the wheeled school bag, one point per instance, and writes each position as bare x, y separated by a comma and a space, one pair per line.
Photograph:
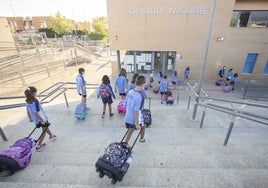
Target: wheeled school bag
169, 98
227, 88
116, 159
121, 107
219, 82
147, 116
80, 111
18, 156
156, 89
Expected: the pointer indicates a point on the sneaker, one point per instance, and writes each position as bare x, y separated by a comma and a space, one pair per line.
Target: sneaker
40, 147
103, 116
161, 102
52, 138
111, 114
88, 109
142, 140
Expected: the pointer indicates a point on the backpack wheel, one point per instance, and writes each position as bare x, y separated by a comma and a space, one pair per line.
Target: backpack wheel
101, 174
113, 181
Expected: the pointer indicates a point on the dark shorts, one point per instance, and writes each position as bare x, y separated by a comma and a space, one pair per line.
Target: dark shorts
122, 94
232, 82
129, 126
82, 95
162, 93
108, 100
173, 82
221, 76
151, 80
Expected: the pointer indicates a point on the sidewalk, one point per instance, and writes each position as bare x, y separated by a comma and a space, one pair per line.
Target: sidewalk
177, 153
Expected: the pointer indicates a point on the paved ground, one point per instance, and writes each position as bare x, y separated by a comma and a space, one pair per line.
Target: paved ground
177, 153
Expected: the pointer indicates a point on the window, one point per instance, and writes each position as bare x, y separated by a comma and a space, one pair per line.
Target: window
265, 71
249, 19
250, 63
258, 19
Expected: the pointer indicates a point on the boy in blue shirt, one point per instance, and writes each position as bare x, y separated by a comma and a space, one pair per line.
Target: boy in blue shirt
163, 88
134, 104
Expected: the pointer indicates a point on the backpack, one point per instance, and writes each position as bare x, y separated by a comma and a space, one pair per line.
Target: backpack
17, 156
104, 91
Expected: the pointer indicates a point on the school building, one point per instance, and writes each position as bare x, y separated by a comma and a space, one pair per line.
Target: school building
169, 35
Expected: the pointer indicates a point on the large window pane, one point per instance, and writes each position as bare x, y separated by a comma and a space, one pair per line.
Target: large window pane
265, 71
250, 63
258, 19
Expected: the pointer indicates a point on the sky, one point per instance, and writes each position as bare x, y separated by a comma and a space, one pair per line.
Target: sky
78, 10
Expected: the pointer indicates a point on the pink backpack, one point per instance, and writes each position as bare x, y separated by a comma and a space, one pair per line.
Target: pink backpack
121, 107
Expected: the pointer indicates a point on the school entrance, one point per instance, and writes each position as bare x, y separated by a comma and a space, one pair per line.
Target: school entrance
145, 61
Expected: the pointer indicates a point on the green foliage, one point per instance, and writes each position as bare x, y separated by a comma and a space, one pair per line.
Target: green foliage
100, 27
79, 32
234, 21
60, 24
95, 36
49, 32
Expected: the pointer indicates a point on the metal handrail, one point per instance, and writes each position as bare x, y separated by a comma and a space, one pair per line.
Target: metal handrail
235, 112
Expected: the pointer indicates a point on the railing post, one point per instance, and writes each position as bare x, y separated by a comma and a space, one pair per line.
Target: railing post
66, 101
189, 101
203, 117
229, 131
3, 134
178, 97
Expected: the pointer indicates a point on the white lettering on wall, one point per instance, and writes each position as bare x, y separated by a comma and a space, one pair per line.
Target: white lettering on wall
174, 11
143, 10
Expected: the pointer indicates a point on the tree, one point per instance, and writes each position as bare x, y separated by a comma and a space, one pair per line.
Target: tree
60, 24
48, 31
100, 29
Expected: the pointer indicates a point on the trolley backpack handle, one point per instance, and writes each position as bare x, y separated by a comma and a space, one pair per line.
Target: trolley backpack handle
45, 130
134, 140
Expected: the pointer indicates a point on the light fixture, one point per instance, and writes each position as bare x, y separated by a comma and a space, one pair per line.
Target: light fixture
115, 37
220, 39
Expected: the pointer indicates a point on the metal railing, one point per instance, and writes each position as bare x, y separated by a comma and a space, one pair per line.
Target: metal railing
46, 96
235, 112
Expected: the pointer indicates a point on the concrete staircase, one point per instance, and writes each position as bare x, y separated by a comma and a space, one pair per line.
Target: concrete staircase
177, 153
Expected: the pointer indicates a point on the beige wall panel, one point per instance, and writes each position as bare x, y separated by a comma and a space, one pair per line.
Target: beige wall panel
251, 5
187, 34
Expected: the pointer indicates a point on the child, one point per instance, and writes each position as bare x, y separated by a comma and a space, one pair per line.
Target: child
134, 104
151, 79
234, 80
159, 77
174, 79
229, 74
132, 85
186, 74
121, 83
163, 88
37, 115
81, 85
222, 73
106, 93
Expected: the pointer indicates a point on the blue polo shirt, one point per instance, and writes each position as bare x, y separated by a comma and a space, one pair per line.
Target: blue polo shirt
163, 85
133, 104
121, 83
81, 83
36, 107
